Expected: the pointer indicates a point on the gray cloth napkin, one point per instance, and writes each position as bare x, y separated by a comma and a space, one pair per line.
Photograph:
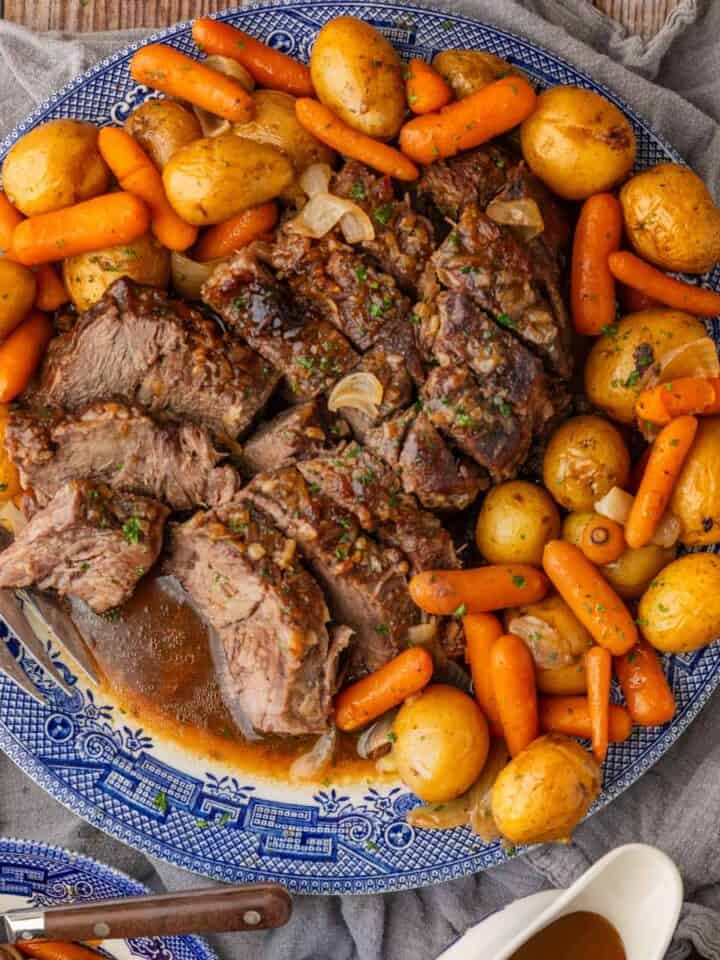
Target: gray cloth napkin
674, 805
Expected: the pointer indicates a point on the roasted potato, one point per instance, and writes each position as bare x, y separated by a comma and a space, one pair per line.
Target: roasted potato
88, 275
621, 359
161, 127
515, 522
274, 122
670, 218
442, 743
545, 791
680, 610
54, 166
17, 294
577, 142
356, 72
213, 179
585, 457
696, 496
467, 71
9, 478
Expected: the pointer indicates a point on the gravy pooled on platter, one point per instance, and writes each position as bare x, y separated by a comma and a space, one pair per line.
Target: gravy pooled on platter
576, 936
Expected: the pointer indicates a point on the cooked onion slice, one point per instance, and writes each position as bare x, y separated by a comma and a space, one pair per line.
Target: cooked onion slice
548, 647
189, 275
324, 211
616, 504
315, 762
375, 742
523, 213
360, 391
210, 124
316, 179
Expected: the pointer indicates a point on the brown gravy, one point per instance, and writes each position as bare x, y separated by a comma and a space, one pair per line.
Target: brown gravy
155, 658
576, 936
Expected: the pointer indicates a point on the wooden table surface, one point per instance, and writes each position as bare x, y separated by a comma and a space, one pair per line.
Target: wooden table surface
645, 17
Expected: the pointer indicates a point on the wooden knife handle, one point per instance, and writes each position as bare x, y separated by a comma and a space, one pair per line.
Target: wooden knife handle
257, 906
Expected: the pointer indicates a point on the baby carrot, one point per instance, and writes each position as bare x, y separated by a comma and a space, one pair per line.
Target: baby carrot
603, 540
50, 950
571, 716
674, 399
227, 237
477, 591
91, 225
592, 286
636, 273
469, 122
9, 219
598, 667
269, 67
21, 353
364, 701
513, 679
667, 456
136, 173
50, 292
590, 596
426, 90
323, 124
481, 632
644, 685
166, 69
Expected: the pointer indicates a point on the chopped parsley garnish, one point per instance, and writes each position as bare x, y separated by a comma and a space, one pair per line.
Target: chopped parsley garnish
357, 191
140, 571
506, 321
462, 419
314, 487
382, 214
609, 330
84, 566
340, 553
518, 580
500, 163
306, 362
131, 530
454, 239
504, 408
240, 302
392, 736
467, 268
460, 611
353, 452
112, 616
361, 273
367, 477
382, 628
161, 801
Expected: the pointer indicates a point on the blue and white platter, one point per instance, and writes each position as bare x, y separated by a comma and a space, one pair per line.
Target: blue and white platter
214, 819
38, 875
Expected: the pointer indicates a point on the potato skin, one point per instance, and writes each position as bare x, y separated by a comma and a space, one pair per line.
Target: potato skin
357, 73
696, 497
671, 219
618, 361
88, 275
467, 71
161, 127
442, 743
212, 179
680, 610
515, 522
17, 294
585, 457
545, 791
54, 166
577, 142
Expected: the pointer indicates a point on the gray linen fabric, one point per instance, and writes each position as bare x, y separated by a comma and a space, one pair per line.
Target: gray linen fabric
675, 805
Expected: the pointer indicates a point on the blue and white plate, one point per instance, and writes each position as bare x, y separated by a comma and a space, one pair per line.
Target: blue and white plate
38, 875
214, 819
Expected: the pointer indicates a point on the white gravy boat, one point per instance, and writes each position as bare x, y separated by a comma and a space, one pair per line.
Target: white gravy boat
636, 887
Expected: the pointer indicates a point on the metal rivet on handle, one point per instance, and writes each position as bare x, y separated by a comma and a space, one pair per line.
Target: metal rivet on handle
252, 918
101, 929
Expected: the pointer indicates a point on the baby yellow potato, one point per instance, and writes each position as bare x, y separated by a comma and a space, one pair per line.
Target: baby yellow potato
9, 479
161, 127
515, 522
467, 71
54, 166
17, 294
586, 457
357, 73
621, 358
545, 791
442, 743
577, 142
212, 179
680, 610
671, 219
696, 497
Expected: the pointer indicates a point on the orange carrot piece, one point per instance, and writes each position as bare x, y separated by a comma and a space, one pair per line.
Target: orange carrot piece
52, 950
477, 591
50, 292
426, 89
592, 286
603, 540
590, 596
481, 632
91, 225
633, 301
598, 666
647, 693
571, 715
227, 237
513, 680
667, 456
674, 399
136, 173
269, 67
323, 124
164, 68
364, 701
21, 353
636, 273
9, 219
469, 122
714, 407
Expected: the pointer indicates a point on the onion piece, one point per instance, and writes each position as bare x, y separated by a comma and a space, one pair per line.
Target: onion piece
699, 358
316, 179
375, 742
548, 647
210, 124
190, 275
316, 761
324, 211
523, 213
667, 532
359, 391
616, 505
